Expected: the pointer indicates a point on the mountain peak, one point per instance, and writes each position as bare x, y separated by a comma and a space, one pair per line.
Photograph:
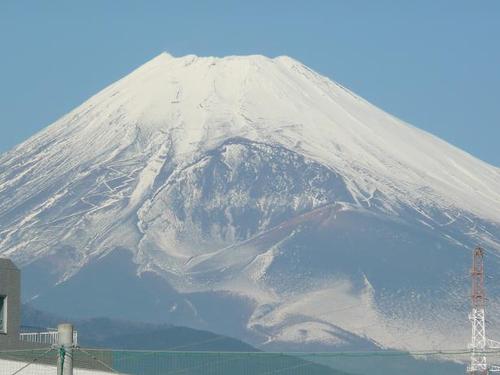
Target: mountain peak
197, 103
166, 58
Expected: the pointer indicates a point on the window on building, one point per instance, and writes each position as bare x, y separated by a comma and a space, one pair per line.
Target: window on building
3, 314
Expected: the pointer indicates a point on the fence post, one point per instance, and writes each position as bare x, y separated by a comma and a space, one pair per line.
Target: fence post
65, 347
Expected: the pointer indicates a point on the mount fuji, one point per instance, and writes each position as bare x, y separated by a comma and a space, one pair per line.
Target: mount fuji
253, 197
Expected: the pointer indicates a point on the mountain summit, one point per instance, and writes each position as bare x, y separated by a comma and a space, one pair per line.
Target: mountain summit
254, 197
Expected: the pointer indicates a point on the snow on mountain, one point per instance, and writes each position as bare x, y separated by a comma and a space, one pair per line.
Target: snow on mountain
325, 220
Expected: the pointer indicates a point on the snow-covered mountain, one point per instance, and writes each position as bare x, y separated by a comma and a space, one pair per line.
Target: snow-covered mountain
254, 197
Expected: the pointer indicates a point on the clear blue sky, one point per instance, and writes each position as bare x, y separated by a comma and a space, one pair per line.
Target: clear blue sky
435, 63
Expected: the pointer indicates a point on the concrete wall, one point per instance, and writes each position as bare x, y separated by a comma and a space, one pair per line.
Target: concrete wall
10, 286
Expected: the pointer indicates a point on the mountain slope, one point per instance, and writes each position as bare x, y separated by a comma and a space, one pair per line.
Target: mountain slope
257, 183
117, 334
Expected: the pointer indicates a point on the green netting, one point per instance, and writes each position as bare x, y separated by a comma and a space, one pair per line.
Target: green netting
92, 361
215, 363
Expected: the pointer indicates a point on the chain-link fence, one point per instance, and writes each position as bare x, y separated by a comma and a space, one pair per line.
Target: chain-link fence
93, 361
45, 361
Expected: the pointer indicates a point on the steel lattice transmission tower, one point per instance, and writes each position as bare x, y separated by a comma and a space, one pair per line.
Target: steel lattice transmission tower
479, 343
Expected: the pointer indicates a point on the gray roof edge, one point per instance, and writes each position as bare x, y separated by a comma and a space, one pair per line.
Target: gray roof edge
6, 263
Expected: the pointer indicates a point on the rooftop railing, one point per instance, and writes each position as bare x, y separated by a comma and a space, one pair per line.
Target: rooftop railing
47, 336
